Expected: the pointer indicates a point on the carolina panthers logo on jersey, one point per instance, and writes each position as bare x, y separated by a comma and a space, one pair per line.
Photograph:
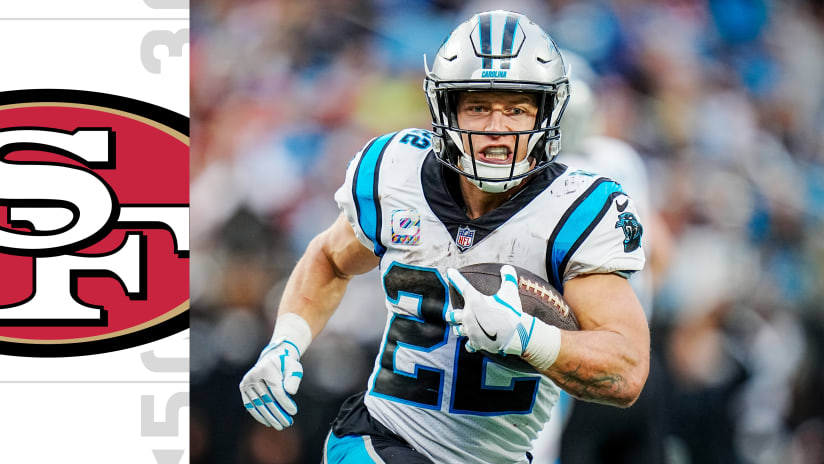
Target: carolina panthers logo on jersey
632, 231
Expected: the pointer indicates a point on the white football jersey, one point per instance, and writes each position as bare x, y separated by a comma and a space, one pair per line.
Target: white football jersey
449, 404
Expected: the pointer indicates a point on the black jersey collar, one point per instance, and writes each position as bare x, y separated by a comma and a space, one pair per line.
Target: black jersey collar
451, 212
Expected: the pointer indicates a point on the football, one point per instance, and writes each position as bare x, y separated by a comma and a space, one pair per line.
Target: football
538, 299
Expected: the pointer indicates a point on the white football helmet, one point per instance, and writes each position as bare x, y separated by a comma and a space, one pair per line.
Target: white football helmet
497, 50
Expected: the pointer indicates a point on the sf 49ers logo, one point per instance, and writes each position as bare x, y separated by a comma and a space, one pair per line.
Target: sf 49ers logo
94, 229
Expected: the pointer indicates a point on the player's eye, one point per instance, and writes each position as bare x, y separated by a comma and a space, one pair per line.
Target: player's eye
522, 111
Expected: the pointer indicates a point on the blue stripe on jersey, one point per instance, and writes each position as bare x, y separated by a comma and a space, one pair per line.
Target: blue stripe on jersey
365, 191
348, 449
576, 225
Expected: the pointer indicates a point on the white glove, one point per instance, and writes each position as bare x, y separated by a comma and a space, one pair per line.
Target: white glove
276, 375
496, 324
267, 387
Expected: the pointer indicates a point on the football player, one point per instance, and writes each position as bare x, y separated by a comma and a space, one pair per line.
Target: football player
481, 187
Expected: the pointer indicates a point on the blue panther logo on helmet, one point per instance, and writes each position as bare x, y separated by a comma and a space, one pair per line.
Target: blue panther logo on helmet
632, 231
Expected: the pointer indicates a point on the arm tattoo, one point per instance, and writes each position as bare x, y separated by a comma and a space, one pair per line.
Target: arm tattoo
592, 386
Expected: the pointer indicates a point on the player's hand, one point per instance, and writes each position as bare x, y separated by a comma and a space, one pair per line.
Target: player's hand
267, 387
494, 323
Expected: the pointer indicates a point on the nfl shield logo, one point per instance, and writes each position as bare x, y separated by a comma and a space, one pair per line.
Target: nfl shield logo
465, 237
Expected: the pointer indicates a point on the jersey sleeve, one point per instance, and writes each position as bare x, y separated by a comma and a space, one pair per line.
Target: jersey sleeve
359, 196
599, 233
613, 245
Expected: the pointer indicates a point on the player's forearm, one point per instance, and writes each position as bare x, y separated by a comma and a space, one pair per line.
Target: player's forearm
600, 366
315, 288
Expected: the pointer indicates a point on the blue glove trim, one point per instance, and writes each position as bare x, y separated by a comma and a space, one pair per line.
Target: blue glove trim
283, 361
287, 395
285, 414
504, 303
457, 289
288, 417
271, 347
510, 278
295, 346
523, 336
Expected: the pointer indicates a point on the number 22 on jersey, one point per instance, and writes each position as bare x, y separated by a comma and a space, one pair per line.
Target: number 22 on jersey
424, 385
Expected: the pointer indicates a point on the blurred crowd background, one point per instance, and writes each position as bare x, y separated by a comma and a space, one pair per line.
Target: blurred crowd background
722, 100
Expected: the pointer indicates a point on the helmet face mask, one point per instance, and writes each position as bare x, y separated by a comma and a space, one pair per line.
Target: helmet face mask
526, 62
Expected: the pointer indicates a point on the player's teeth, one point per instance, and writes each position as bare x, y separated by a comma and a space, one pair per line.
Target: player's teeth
498, 153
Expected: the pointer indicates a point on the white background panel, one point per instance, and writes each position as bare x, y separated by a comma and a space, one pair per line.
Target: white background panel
88, 409
100, 56
91, 423
95, 9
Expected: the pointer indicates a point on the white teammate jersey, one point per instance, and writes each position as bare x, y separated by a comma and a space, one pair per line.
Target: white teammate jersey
454, 406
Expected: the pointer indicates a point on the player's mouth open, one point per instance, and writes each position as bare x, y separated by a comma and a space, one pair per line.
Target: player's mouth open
495, 155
